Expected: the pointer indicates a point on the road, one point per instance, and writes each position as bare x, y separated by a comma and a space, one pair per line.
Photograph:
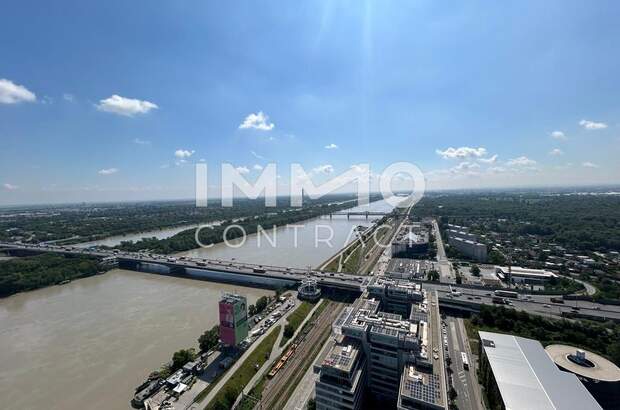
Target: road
445, 268
463, 380
537, 304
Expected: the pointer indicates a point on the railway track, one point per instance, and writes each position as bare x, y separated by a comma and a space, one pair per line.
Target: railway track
278, 390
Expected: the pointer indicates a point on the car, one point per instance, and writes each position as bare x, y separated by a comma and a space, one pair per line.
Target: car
546, 306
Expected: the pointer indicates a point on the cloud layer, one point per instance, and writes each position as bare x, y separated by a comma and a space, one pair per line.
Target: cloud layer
258, 121
461, 153
11, 93
591, 125
127, 107
108, 171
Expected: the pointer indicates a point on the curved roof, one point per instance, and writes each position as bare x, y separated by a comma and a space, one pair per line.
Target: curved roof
603, 370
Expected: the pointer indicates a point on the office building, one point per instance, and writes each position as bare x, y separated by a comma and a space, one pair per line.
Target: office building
233, 319
341, 382
393, 351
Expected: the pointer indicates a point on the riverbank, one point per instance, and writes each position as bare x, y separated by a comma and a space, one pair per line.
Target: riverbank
133, 320
231, 230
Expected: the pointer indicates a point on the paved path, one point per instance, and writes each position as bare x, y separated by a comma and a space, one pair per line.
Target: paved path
275, 353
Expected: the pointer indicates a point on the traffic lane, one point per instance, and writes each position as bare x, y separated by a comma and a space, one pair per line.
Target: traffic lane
459, 376
533, 300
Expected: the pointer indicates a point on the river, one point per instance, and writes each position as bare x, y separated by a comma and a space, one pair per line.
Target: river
87, 344
300, 247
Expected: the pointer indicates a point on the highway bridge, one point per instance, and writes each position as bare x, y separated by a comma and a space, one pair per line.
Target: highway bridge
367, 214
464, 299
225, 270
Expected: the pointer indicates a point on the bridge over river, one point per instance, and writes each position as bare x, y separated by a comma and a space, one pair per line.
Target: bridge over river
215, 269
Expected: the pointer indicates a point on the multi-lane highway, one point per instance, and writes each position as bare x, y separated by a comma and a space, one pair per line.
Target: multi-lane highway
325, 279
539, 304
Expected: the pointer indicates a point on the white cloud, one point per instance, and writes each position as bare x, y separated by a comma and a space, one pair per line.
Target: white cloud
10, 187
258, 121
243, 170
141, 142
108, 171
68, 97
11, 93
558, 135
258, 167
323, 169
591, 125
183, 153
496, 170
462, 152
125, 106
465, 167
556, 152
521, 162
257, 156
331, 146
589, 164
490, 160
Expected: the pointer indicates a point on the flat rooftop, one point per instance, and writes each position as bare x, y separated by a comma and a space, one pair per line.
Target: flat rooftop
528, 379
342, 356
519, 271
599, 368
420, 386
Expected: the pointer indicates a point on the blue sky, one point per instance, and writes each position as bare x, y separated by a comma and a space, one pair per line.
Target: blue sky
118, 99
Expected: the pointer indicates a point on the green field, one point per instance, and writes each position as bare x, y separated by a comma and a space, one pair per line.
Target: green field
295, 319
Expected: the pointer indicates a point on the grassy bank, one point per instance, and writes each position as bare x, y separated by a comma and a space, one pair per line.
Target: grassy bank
294, 320
227, 395
34, 272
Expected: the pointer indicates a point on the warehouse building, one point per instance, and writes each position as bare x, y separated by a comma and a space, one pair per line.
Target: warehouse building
517, 373
517, 274
411, 241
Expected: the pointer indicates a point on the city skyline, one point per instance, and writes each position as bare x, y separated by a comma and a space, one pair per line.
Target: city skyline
118, 102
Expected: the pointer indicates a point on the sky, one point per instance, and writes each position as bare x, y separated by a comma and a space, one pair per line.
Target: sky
118, 100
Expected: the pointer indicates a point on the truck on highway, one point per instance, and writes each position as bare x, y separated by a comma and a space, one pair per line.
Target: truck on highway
557, 300
498, 300
258, 270
507, 294
465, 361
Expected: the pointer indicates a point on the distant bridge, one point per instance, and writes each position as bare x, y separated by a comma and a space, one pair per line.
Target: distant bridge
367, 214
218, 270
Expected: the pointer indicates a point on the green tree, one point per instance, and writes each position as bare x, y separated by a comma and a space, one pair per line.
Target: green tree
209, 339
289, 330
475, 270
261, 304
433, 275
180, 357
